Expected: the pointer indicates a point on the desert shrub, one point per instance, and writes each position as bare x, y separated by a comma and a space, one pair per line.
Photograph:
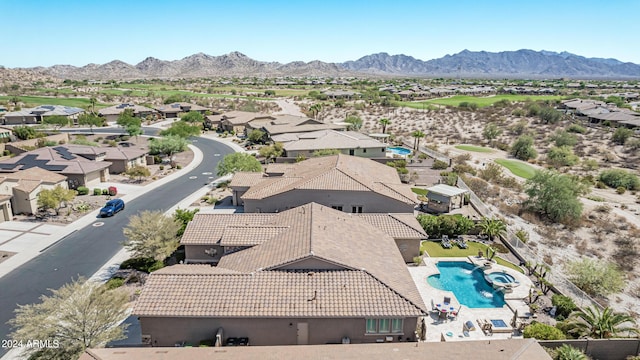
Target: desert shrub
468, 105
632, 143
549, 115
542, 331
82, 190
621, 190
114, 283
492, 172
616, 178
439, 165
518, 112
143, 264
161, 167
97, 191
596, 277
621, 135
464, 168
105, 191
520, 127
564, 304
575, 128
112, 190
523, 149
501, 146
564, 138
561, 156
461, 159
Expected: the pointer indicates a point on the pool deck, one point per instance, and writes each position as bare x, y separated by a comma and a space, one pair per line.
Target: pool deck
437, 329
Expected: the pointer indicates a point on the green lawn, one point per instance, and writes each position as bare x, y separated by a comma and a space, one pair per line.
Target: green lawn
518, 168
434, 249
41, 100
481, 101
474, 148
420, 191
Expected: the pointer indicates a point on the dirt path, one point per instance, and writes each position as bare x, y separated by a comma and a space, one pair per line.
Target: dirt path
288, 108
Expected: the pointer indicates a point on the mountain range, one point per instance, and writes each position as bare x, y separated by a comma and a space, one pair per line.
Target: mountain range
469, 64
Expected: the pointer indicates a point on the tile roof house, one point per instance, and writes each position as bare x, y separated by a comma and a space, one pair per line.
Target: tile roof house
284, 124
22, 187
305, 283
36, 114
210, 236
124, 158
82, 165
174, 109
237, 121
348, 142
111, 113
347, 183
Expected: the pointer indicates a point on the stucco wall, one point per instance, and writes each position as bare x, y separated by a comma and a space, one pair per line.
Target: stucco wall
409, 248
610, 349
371, 202
365, 153
196, 254
261, 332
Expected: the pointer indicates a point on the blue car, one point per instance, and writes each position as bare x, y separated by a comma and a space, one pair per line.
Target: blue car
112, 207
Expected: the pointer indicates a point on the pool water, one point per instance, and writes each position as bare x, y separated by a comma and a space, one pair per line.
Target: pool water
501, 278
467, 283
399, 150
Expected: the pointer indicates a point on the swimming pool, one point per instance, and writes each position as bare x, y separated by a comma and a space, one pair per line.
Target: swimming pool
398, 150
501, 278
467, 283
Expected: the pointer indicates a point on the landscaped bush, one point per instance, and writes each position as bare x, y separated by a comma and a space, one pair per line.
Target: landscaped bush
616, 178
596, 277
564, 304
542, 331
500, 248
105, 191
143, 264
114, 283
113, 191
161, 167
451, 225
97, 191
439, 165
575, 128
82, 190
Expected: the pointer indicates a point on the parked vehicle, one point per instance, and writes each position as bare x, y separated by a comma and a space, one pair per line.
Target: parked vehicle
112, 207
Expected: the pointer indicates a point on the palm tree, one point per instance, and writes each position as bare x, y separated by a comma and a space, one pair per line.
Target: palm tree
604, 324
315, 110
492, 227
93, 101
384, 123
417, 135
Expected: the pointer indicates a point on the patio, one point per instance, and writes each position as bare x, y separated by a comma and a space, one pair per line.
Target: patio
448, 328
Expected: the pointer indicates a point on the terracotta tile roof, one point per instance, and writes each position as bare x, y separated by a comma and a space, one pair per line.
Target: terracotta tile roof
193, 269
246, 179
338, 238
296, 124
331, 139
289, 294
54, 158
119, 153
28, 185
37, 174
277, 168
207, 229
249, 235
179, 107
241, 117
339, 172
398, 226
120, 108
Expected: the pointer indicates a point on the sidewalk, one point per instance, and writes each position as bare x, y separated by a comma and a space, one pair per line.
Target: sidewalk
28, 240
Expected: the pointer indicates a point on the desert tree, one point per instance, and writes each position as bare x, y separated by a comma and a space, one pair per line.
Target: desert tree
55, 198
93, 101
238, 162
181, 129
192, 117
184, 217
138, 172
256, 136
523, 148
90, 120
491, 131
271, 151
57, 121
151, 234
77, 316
168, 145
355, 122
555, 196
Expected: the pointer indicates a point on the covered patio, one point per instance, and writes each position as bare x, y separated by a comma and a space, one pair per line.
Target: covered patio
443, 198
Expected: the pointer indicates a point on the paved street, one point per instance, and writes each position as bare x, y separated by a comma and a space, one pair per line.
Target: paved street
83, 252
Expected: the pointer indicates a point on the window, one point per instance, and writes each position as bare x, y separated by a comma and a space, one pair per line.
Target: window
337, 207
372, 326
383, 326
364, 150
396, 325
356, 209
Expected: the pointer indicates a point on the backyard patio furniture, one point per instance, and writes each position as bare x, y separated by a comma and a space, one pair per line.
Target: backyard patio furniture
468, 326
453, 315
447, 300
462, 244
445, 242
485, 326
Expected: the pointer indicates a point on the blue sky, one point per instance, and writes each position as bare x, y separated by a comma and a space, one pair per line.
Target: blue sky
78, 32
